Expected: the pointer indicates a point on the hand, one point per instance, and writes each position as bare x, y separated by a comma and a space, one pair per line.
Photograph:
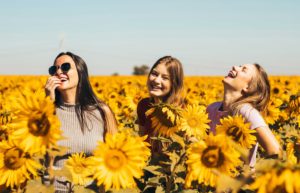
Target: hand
52, 83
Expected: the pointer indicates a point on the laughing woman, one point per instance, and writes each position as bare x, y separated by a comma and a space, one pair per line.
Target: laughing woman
247, 93
84, 118
165, 84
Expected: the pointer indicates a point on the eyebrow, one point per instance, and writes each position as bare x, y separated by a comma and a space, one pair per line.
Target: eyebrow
161, 74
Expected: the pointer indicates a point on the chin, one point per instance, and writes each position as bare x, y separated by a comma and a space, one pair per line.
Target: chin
155, 94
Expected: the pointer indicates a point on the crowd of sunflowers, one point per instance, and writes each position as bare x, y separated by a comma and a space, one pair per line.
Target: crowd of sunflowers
192, 160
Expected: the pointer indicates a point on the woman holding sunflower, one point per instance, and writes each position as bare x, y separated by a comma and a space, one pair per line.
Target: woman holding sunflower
84, 118
246, 93
165, 85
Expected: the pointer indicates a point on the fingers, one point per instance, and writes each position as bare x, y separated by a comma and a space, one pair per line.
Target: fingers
51, 84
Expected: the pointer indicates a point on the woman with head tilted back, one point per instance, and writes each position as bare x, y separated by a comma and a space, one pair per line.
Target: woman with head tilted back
165, 84
247, 92
84, 118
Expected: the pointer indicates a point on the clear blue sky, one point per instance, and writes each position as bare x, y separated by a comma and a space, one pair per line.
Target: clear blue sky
113, 36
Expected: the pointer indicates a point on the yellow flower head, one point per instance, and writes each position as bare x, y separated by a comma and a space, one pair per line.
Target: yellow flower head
205, 156
79, 169
278, 179
165, 119
15, 165
294, 104
36, 126
195, 121
293, 151
119, 160
273, 112
239, 131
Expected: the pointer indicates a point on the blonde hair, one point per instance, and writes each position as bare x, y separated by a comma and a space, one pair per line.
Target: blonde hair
174, 67
258, 94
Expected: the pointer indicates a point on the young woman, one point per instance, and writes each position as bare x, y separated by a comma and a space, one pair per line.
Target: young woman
84, 118
165, 84
247, 92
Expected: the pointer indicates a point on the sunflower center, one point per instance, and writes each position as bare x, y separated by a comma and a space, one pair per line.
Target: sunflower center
78, 169
192, 122
235, 132
212, 157
39, 126
115, 159
14, 158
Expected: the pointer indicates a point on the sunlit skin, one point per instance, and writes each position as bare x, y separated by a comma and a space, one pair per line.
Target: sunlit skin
159, 83
236, 83
66, 83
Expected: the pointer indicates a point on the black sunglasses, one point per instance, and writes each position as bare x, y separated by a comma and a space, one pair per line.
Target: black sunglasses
65, 67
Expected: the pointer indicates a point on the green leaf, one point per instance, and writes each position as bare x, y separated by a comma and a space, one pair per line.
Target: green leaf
159, 189
179, 180
127, 190
226, 183
82, 189
190, 191
37, 187
178, 139
63, 172
58, 151
174, 159
153, 169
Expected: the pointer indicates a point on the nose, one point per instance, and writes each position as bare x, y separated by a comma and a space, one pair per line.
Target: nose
235, 68
58, 70
157, 79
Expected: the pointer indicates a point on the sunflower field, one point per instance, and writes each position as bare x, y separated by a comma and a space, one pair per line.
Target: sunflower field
191, 159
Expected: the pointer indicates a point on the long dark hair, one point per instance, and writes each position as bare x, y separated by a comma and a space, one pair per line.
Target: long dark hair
85, 99
174, 67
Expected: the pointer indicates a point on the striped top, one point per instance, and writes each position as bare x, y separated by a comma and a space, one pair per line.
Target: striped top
76, 140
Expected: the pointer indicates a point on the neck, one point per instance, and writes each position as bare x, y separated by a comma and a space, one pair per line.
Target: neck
229, 98
157, 100
69, 96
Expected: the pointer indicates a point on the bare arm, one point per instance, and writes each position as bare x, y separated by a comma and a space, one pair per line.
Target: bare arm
267, 140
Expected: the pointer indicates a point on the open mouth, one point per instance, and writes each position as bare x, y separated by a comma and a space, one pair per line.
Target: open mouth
154, 87
232, 74
63, 79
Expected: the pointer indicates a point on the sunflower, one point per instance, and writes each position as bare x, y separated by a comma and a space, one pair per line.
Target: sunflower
277, 180
165, 119
15, 165
294, 104
205, 156
79, 169
236, 128
293, 152
273, 112
36, 126
195, 121
119, 160
6, 117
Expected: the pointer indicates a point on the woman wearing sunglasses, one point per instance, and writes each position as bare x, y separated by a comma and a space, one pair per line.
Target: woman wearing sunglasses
84, 118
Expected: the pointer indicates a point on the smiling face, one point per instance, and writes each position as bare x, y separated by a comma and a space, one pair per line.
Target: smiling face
239, 77
159, 81
70, 79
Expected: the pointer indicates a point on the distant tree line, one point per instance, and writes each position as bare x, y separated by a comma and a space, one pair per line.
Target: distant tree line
141, 70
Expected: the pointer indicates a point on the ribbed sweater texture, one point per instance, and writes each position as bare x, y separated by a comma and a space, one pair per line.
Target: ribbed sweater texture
76, 140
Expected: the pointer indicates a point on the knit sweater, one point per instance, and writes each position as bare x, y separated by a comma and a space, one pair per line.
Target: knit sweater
76, 140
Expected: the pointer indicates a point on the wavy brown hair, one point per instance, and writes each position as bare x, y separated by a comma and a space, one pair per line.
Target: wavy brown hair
86, 100
258, 94
174, 67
